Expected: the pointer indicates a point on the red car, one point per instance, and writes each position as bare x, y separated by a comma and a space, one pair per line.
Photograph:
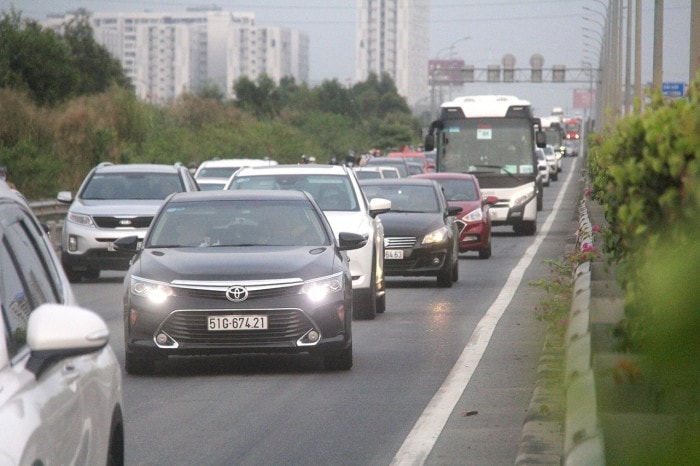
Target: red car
474, 222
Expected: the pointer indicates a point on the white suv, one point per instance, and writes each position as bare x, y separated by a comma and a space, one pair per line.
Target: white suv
114, 201
336, 190
60, 382
214, 174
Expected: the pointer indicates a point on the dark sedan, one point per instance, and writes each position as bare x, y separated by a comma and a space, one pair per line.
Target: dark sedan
223, 272
420, 233
474, 222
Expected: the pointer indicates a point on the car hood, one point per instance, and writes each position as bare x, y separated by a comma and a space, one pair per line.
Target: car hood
410, 224
236, 263
141, 207
353, 222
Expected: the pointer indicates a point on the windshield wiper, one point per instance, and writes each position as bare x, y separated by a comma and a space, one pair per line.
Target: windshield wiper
496, 167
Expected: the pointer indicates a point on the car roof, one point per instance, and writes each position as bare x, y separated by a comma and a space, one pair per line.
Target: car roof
445, 175
238, 195
138, 168
412, 181
309, 169
236, 162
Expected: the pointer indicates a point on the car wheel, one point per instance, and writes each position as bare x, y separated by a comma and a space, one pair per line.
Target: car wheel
364, 306
92, 274
115, 455
455, 272
554, 176
74, 276
485, 253
525, 228
138, 365
444, 276
540, 199
338, 360
381, 304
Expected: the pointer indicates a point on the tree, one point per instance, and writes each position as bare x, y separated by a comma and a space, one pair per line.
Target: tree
35, 60
97, 70
262, 99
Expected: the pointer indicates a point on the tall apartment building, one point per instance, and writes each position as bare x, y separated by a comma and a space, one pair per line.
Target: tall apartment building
392, 37
167, 54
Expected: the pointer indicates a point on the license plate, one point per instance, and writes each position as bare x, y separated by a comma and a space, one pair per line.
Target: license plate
252, 322
393, 254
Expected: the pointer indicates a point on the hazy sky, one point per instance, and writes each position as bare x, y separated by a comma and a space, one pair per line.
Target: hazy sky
552, 28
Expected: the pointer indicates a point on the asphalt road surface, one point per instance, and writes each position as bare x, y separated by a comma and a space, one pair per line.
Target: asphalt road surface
444, 377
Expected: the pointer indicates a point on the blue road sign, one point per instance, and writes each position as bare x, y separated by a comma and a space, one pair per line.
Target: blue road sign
673, 89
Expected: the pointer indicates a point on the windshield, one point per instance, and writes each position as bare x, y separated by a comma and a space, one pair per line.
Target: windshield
459, 189
331, 192
131, 186
405, 198
216, 172
238, 223
472, 144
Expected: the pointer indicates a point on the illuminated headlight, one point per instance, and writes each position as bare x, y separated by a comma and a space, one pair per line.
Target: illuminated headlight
80, 219
319, 288
521, 199
474, 216
156, 292
437, 236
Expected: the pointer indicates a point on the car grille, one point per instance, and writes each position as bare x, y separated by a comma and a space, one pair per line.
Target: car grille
221, 294
190, 328
399, 242
118, 222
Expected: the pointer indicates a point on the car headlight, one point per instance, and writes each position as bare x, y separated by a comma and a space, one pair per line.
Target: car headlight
521, 199
156, 292
80, 219
436, 236
474, 216
319, 288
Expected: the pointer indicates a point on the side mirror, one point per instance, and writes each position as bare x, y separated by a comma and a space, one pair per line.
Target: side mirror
377, 206
540, 138
453, 210
65, 197
429, 143
490, 200
348, 241
127, 244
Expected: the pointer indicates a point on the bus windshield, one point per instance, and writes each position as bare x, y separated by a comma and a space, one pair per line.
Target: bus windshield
503, 145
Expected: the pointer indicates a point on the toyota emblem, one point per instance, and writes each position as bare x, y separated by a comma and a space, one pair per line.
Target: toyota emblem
237, 294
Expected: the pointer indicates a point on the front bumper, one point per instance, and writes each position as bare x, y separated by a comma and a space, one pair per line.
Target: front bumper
418, 260
179, 326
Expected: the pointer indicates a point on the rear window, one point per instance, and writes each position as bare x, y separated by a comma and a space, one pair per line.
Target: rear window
331, 192
131, 186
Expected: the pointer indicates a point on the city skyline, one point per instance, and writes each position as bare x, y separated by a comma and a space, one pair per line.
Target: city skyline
553, 28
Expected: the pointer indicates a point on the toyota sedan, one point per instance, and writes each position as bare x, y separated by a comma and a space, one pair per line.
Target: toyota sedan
223, 272
420, 232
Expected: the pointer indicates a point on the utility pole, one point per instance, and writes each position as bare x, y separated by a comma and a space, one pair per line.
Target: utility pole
657, 75
694, 40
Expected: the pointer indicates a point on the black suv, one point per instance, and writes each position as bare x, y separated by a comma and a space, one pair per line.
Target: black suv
114, 201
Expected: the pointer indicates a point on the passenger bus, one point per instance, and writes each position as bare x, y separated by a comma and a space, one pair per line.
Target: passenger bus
493, 137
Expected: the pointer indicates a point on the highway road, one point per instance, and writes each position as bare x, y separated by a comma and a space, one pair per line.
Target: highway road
444, 377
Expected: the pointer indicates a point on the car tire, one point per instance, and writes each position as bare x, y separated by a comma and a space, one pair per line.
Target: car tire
138, 365
365, 308
485, 253
338, 360
525, 228
444, 276
115, 454
554, 176
540, 199
381, 304
455, 271
74, 276
91, 274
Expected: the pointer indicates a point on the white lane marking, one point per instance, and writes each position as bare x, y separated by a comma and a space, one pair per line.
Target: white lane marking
420, 441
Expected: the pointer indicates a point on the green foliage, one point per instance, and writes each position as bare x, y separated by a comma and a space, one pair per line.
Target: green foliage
51, 68
646, 175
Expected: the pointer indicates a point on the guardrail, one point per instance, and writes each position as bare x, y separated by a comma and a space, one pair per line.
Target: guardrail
51, 213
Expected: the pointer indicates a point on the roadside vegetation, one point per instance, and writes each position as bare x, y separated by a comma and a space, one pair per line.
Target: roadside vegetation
66, 106
646, 176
